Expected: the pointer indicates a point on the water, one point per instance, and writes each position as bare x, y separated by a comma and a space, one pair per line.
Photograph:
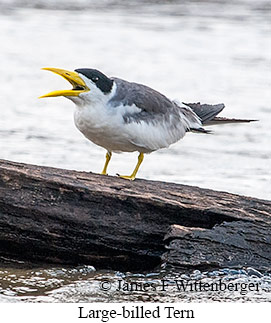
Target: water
208, 51
84, 284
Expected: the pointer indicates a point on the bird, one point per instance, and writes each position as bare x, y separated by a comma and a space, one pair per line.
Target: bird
123, 116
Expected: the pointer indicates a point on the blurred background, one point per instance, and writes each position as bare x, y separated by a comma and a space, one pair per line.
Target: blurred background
207, 51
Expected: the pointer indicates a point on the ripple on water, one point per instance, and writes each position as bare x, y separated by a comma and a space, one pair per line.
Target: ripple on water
84, 284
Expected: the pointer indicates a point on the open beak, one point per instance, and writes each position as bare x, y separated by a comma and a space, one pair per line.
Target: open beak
78, 85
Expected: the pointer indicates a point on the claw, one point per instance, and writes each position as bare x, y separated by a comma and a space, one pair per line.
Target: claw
133, 175
130, 178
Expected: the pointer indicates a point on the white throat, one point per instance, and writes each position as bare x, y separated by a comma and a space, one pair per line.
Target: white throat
92, 113
93, 97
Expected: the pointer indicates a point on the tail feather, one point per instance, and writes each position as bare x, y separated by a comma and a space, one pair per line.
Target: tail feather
200, 130
206, 112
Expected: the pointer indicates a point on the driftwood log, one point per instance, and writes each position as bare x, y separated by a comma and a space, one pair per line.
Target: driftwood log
51, 215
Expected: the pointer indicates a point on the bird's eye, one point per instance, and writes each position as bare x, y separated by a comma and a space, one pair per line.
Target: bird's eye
95, 79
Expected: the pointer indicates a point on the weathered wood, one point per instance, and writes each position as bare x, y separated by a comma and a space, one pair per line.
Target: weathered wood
69, 217
230, 244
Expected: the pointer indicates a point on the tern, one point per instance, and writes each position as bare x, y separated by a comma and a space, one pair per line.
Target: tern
123, 116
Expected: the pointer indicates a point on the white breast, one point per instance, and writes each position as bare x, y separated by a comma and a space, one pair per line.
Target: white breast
105, 127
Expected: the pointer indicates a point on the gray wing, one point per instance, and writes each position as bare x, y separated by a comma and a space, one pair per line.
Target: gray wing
142, 96
153, 104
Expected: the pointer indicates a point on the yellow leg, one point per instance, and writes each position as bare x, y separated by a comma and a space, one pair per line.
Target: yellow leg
133, 175
107, 159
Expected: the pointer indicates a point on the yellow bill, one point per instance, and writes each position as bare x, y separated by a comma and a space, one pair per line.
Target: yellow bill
78, 84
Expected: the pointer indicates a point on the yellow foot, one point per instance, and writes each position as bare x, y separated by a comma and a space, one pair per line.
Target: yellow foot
130, 178
102, 173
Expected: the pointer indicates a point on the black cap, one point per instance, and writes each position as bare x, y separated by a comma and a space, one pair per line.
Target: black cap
102, 81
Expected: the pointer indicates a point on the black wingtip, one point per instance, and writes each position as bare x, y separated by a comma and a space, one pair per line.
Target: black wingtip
223, 120
233, 120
